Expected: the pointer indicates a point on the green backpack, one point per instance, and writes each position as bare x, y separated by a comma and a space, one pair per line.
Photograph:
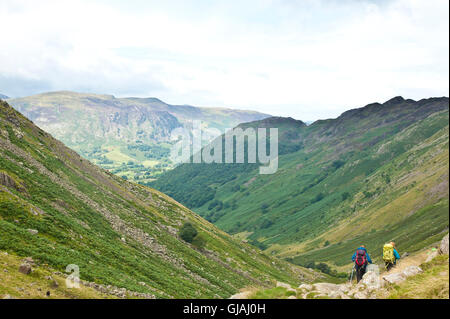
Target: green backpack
388, 253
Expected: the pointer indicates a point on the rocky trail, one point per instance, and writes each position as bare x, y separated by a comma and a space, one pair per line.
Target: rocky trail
375, 284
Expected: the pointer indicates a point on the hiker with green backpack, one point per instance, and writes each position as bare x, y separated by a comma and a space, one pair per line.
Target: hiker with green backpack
390, 255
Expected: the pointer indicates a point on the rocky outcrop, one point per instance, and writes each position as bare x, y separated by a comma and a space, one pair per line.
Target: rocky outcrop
443, 249
116, 291
25, 269
326, 288
368, 288
305, 287
8, 181
370, 280
332, 291
434, 253
33, 231
241, 295
396, 278
412, 271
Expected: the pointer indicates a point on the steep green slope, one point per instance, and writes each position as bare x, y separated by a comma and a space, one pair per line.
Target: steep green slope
43, 279
128, 136
60, 209
373, 174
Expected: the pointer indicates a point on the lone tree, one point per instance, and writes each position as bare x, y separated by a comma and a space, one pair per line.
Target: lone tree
188, 232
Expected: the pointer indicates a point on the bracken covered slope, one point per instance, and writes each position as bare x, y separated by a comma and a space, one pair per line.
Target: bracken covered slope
60, 209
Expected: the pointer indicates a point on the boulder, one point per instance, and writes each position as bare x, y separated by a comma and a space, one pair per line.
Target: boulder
53, 283
29, 260
345, 287
352, 292
399, 277
434, 253
336, 295
7, 297
360, 295
33, 231
305, 287
370, 280
443, 249
8, 181
241, 295
25, 269
326, 288
412, 271
292, 297
394, 278
37, 211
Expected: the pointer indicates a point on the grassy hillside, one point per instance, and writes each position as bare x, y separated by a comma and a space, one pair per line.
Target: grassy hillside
43, 282
374, 174
433, 283
60, 209
128, 136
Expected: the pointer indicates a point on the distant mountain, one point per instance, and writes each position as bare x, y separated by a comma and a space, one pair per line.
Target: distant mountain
128, 136
60, 209
3, 97
373, 174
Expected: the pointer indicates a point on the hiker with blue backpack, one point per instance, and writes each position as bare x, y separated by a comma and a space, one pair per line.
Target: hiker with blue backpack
361, 259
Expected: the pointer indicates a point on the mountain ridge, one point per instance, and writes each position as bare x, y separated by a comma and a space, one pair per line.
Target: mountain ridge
323, 181
128, 136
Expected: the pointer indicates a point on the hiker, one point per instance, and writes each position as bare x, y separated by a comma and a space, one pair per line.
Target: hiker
361, 258
390, 255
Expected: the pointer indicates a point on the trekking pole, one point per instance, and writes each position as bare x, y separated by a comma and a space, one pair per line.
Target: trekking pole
353, 270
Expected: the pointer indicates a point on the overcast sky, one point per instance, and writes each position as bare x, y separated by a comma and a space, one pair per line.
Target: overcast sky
306, 59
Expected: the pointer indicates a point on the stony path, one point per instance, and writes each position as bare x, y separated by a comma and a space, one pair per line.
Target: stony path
373, 284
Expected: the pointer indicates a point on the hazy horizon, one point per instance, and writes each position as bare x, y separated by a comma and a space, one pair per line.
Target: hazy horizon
305, 59
307, 121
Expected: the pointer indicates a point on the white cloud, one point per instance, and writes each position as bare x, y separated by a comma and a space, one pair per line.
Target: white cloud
306, 59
